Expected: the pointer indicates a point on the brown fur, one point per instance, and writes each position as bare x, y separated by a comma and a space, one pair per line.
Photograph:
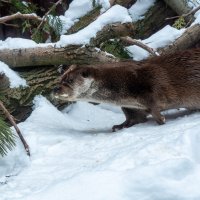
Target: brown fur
148, 87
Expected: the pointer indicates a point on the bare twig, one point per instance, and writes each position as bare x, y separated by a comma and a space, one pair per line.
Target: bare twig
12, 25
192, 12
19, 15
4, 1
129, 41
11, 119
45, 16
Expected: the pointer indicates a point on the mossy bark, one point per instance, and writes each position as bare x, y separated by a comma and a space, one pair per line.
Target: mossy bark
19, 101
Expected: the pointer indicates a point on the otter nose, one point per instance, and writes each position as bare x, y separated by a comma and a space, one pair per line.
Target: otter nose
57, 89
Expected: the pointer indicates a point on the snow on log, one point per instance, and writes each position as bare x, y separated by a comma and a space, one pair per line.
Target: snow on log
188, 39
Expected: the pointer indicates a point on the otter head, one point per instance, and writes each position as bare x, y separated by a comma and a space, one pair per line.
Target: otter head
74, 84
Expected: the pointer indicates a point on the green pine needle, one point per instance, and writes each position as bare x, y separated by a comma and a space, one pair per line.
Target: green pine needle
179, 23
7, 138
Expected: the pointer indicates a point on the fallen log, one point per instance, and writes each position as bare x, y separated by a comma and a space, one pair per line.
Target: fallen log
45, 56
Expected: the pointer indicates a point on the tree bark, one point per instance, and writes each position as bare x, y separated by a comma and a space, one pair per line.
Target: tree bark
180, 7
19, 100
125, 3
45, 56
153, 21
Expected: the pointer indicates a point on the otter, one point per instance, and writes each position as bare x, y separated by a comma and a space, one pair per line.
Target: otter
139, 88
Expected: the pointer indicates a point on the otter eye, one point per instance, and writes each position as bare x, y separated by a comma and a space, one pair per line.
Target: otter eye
85, 74
70, 80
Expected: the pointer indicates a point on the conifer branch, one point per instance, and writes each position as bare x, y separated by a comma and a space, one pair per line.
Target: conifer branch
45, 16
11, 119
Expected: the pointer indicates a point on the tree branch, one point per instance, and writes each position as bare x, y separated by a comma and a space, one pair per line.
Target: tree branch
9, 116
129, 41
19, 15
11, 25
185, 15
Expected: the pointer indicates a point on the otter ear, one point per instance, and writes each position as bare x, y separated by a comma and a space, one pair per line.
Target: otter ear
85, 73
70, 68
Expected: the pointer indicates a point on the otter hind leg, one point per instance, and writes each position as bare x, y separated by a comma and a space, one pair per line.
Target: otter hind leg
133, 116
160, 119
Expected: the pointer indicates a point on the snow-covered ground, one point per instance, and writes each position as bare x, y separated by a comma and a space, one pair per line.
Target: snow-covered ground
76, 156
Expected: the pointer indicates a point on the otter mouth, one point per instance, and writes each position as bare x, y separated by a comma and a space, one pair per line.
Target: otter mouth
63, 97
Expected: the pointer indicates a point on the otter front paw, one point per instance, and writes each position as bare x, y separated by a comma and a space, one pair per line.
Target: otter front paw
125, 124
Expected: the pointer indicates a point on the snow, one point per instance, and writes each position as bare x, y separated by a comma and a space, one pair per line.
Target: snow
78, 9
17, 43
139, 8
14, 43
160, 39
105, 5
84, 35
193, 3
197, 20
76, 156
15, 80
